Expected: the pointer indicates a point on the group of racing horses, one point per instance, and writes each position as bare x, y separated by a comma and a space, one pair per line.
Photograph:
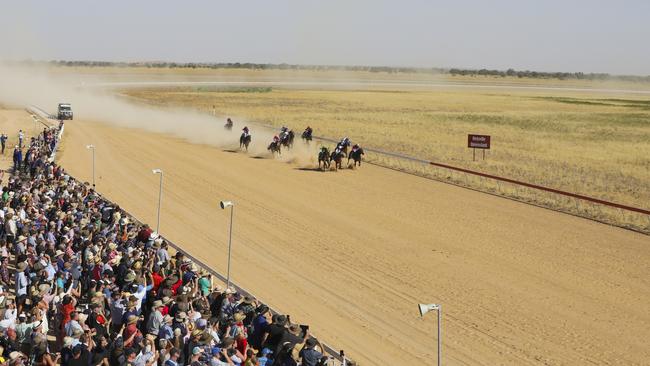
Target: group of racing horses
325, 157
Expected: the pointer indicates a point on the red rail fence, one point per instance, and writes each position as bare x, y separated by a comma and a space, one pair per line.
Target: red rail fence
594, 200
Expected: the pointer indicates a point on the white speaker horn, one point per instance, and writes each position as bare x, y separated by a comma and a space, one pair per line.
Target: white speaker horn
225, 204
425, 308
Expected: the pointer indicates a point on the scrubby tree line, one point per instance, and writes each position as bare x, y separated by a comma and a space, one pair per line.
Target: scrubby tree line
384, 69
547, 75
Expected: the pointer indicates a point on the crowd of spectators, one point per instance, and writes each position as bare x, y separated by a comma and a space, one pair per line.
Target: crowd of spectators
82, 283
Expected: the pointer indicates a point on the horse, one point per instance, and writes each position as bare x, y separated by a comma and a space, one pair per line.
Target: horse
228, 125
306, 135
356, 156
274, 147
287, 139
337, 158
324, 157
343, 147
244, 140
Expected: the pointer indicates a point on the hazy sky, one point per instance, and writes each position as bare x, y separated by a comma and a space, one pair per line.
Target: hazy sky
551, 35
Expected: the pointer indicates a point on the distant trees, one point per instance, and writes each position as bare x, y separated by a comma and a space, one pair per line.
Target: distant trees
375, 69
547, 75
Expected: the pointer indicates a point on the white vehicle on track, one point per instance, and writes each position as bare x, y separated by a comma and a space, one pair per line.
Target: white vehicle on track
64, 111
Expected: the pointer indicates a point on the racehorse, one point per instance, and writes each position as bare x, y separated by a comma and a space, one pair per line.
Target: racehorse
337, 158
356, 156
324, 157
287, 139
343, 147
244, 140
306, 135
228, 125
274, 147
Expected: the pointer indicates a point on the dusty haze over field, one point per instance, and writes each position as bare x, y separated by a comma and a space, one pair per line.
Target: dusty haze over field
24, 86
588, 36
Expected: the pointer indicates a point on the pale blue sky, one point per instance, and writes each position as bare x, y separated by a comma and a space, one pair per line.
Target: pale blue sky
590, 36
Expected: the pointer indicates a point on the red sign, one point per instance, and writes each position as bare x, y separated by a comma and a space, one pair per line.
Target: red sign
478, 141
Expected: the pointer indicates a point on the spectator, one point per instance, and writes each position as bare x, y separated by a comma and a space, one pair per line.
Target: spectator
3, 142
110, 290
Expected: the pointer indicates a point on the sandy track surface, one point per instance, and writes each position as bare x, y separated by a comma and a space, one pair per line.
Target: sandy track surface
353, 252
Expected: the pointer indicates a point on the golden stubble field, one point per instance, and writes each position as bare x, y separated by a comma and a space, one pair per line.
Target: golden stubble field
588, 143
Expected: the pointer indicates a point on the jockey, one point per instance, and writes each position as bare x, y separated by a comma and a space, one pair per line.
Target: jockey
229, 122
246, 132
356, 147
284, 130
323, 149
308, 130
276, 139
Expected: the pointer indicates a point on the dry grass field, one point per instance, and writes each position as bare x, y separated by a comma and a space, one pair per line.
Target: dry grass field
588, 143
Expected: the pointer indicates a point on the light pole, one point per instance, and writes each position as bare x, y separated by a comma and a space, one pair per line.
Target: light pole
92, 147
159, 171
425, 308
224, 205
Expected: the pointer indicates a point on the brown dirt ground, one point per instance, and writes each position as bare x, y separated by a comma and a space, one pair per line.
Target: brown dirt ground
353, 252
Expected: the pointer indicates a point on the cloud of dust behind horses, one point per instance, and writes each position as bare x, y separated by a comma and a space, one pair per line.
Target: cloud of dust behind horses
24, 86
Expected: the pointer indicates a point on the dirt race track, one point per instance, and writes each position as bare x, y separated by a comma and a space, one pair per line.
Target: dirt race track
353, 252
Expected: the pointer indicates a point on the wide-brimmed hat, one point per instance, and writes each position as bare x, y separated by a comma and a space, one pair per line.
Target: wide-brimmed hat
44, 288
167, 318
217, 288
196, 333
248, 299
230, 291
130, 276
115, 261
157, 304
21, 238
206, 338
58, 253
112, 246
21, 267
180, 316
166, 300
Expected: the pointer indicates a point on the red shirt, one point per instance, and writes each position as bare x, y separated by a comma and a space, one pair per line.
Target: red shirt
66, 310
242, 344
144, 234
97, 272
128, 332
176, 286
157, 280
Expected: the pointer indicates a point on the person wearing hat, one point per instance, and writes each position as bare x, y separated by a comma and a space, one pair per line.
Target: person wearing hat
174, 355
272, 338
166, 330
309, 355
155, 319
247, 307
130, 330
204, 282
22, 281
260, 326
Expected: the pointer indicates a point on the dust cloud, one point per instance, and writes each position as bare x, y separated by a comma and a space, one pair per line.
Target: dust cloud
22, 86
